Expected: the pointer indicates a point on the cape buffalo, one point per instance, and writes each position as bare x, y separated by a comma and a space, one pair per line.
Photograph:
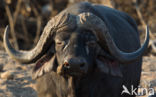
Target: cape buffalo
87, 50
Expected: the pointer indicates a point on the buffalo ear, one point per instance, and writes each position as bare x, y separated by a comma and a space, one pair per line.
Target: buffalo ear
46, 64
106, 63
102, 67
109, 67
52, 48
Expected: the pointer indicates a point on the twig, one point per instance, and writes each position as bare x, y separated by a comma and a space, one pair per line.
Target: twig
109, 3
113, 4
152, 43
1, 44
38, 29
25, 30
11, 22
38, 23
18, 6
141, 18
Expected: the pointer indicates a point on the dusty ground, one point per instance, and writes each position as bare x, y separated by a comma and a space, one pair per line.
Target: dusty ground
15, 79
19, 84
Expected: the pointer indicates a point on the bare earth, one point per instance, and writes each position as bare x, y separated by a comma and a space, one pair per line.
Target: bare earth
15, 79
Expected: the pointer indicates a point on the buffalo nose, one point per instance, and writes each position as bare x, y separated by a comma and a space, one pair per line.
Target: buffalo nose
75, 63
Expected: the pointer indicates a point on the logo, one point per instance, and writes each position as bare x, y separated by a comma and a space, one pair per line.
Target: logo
139, 91
125, 90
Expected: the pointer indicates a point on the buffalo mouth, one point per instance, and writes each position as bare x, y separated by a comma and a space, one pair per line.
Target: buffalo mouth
49, 63
61, 70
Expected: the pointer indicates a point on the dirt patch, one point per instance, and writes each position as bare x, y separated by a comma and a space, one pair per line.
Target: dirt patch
22, 85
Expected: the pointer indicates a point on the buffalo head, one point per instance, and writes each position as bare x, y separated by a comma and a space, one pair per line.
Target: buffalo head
74, 43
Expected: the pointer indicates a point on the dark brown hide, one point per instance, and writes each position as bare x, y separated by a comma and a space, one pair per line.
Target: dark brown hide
96, 84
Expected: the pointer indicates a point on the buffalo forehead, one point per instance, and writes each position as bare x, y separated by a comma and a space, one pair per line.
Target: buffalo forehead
64, 35
81, 33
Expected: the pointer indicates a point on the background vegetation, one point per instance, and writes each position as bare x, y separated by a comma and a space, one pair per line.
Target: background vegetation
27, 18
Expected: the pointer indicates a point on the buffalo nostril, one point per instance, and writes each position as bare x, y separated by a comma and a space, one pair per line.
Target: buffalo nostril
82, 65
66, 65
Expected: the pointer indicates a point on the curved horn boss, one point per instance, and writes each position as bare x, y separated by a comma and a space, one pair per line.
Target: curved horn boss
84, 20
87, 20
56, 23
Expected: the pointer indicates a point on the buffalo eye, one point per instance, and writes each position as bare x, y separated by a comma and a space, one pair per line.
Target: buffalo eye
60, 43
